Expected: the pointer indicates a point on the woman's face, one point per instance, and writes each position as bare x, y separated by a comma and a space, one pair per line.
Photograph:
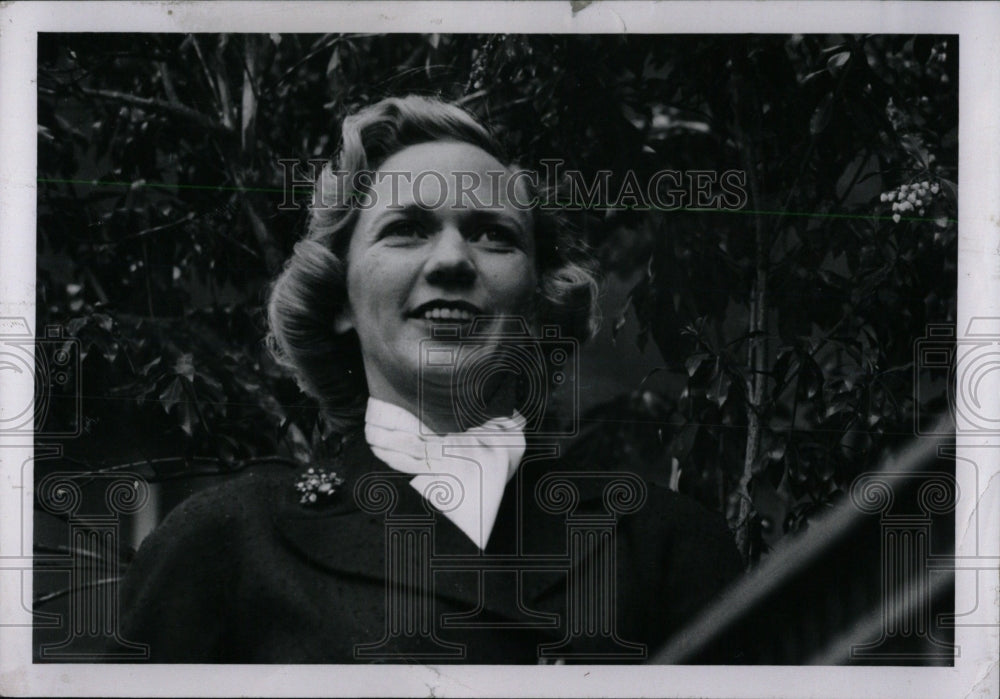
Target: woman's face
437, 248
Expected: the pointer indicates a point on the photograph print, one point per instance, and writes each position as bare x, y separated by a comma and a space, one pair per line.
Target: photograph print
496, 348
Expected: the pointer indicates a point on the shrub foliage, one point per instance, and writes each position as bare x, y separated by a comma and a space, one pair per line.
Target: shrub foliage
789, 323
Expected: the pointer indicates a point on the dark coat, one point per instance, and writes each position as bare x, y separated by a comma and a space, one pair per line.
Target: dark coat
244, 573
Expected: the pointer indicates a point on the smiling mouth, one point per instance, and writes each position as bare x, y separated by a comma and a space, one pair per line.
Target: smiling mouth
454, 311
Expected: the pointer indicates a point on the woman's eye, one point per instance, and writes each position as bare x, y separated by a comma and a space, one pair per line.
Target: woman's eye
497, 237
404, 229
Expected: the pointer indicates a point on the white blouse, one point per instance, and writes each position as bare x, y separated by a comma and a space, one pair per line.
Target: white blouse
462, 475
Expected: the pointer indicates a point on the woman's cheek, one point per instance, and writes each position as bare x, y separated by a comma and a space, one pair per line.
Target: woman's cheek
374, 277
518, 288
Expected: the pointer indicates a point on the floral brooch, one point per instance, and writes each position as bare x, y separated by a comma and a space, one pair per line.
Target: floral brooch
316, 483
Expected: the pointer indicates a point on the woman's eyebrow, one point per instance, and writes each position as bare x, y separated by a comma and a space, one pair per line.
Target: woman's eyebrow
395, 208
412, 209
497, 216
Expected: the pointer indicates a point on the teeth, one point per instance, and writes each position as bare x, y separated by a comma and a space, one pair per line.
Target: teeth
447, 314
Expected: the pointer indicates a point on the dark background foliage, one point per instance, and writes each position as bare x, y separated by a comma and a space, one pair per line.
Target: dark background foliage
779, 339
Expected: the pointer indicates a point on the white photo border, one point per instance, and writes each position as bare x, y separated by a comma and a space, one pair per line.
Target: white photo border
975, 673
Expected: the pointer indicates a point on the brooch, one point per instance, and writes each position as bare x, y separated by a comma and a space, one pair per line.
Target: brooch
317, 482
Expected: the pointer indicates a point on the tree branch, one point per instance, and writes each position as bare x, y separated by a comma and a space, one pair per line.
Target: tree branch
757, 346
178, 110
43, 599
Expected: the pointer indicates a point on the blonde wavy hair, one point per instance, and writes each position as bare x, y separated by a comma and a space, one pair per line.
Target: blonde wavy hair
311, 290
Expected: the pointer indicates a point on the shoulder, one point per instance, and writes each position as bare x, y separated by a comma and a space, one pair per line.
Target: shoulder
235, 518
663, 527
228, 506
201, 536
178, 592
665, 530
691, 543
683, 516
216, 530
639, 501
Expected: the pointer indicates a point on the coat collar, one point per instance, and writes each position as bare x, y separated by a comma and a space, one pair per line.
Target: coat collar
346, 536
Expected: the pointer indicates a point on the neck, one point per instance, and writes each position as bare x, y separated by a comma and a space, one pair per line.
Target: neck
439, 413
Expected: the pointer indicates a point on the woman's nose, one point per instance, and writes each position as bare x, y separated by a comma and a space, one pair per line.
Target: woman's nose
450, 259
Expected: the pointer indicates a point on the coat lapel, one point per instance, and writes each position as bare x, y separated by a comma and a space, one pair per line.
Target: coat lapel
336, 536
341, 538
546, 534
519, 581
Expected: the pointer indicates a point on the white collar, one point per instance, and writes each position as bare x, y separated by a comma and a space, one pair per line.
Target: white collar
462, 475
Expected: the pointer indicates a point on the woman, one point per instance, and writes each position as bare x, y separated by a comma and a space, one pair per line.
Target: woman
428, 310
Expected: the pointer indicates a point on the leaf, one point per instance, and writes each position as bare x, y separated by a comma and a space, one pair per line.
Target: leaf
618, 325
105, 322
831, 279
142, 391
210, 381
837, 61
777, 452
642, 339
145, 368
227, 448
172, 394
186, 416
681, 444
298, 444
248, 111
334, 61
184, 366
771, 449
868, 185
73, 327
914, 145
922, 47
951, 187
179, 398
109, 350
781, 368
718, 388
693, 363
810, 378
821, 117
812, 76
